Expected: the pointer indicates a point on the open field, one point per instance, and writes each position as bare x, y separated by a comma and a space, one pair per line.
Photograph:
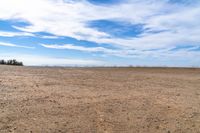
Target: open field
99, 100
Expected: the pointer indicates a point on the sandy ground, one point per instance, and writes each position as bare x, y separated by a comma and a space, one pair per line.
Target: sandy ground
99, 100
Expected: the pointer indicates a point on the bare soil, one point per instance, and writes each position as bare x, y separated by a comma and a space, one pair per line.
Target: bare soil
99, 100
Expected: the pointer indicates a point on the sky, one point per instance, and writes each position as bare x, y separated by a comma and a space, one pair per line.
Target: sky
101, 32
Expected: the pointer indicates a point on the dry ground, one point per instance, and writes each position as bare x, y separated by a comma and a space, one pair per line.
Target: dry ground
99, 100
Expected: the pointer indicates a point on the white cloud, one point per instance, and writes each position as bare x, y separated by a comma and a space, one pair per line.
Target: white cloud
25, 34
49, 37
115, 52
183, 53
14, 34
79, 48
14, 45
179, 23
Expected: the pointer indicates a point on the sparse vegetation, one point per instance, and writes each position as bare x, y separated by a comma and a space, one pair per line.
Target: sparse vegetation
11, 62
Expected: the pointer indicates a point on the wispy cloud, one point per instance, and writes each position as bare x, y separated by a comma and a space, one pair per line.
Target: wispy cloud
14, 45
74, 47
168, 53
49, 37
14, 34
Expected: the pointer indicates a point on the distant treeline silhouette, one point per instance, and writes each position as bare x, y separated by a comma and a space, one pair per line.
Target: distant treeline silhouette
11, 62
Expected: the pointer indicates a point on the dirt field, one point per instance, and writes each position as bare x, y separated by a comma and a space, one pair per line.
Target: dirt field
99, 100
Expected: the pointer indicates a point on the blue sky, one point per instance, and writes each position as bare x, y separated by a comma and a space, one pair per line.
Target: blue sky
101, 32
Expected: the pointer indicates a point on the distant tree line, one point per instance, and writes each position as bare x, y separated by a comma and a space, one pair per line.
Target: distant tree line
11, 62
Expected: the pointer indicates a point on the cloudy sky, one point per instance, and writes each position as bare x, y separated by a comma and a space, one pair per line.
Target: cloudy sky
101, 32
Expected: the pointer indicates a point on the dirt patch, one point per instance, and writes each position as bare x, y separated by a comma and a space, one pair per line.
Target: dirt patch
103, 100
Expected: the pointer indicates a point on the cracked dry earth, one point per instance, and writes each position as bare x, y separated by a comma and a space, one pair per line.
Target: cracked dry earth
99, 100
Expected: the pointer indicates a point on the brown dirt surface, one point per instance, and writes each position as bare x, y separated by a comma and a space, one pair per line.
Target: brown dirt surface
99, 100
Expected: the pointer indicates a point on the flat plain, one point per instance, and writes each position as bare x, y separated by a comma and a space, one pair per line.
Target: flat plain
99, 100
